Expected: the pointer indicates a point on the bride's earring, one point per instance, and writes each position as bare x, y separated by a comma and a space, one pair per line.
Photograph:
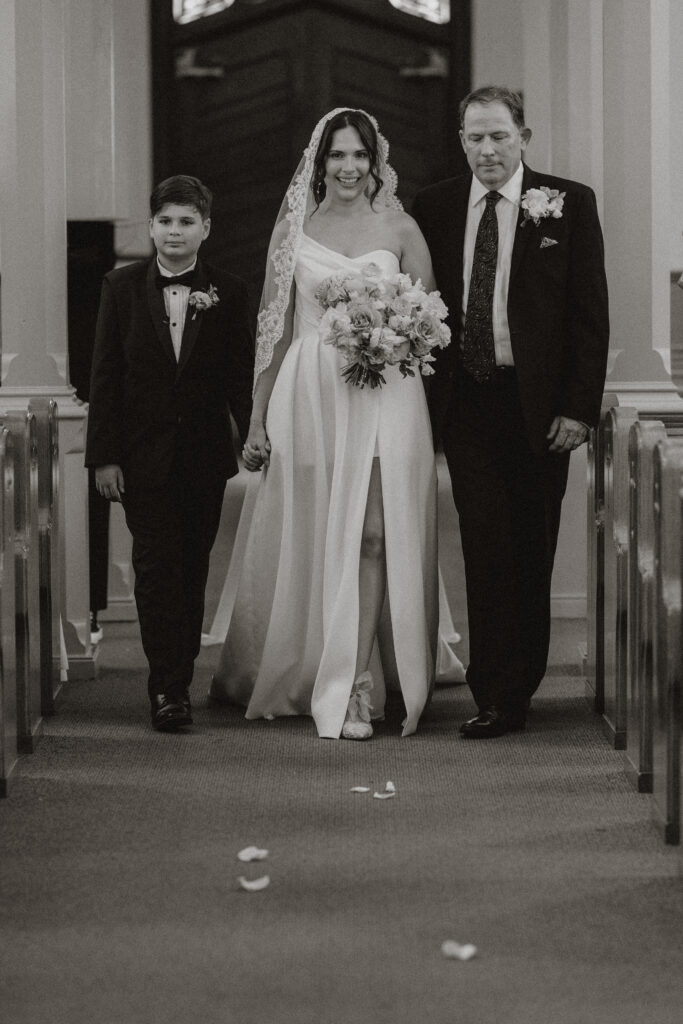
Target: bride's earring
319, 190
357, 722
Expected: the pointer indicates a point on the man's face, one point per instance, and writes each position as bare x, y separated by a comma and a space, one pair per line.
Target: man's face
492, 142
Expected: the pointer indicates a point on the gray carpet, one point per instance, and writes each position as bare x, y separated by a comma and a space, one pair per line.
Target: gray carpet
118, 868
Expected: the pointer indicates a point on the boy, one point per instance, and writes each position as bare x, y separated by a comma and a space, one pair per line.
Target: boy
173, 357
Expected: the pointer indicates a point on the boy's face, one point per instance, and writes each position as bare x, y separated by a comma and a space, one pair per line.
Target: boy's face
177, 232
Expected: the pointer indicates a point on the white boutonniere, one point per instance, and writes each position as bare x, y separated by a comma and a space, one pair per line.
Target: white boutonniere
538, 203
203, 300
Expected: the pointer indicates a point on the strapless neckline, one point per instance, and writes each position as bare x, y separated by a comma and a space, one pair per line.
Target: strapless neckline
352, 259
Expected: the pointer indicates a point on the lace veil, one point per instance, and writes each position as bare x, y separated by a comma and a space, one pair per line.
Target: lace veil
288, 231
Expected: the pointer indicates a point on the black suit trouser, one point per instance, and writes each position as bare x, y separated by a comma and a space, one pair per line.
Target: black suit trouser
508, 501
173, 531
98, 545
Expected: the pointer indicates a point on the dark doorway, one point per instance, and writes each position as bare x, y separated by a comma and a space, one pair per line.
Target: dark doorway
237, 94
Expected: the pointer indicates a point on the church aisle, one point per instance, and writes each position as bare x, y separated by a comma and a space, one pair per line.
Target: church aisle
118, 868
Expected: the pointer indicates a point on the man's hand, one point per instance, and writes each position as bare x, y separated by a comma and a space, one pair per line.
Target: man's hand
565, 434
109, 482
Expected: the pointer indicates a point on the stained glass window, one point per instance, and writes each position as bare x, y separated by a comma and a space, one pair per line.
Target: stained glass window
432, 10
191, 10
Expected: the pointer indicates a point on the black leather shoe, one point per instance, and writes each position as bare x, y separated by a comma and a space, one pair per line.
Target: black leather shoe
491, 722
169, 715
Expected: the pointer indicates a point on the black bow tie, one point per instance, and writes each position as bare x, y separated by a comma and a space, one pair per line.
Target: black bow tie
185, 278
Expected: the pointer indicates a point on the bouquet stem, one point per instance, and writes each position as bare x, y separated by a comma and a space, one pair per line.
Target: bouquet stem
355, 373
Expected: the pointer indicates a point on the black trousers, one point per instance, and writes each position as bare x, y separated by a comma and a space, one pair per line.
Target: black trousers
98, 540
173, 532
508, 501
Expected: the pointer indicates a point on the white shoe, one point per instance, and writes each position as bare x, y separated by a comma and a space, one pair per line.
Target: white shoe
357, 722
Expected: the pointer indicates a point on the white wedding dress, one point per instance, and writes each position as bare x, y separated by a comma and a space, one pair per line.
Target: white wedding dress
292, 586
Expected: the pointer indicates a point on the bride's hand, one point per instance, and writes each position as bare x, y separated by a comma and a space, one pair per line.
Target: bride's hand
256, 451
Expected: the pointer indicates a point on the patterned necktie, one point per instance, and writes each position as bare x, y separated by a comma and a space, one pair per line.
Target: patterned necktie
478, 351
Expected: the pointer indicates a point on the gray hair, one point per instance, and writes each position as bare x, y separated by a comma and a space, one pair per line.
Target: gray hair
492, 94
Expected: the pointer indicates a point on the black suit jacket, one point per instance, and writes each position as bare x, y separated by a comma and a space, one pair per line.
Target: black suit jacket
150, 413
557, 302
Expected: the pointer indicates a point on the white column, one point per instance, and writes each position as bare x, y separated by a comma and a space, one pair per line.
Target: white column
109, 176
638, 198
575, 97
585, 124
32, 211
536, 84
497, 43
133, 184
33, 260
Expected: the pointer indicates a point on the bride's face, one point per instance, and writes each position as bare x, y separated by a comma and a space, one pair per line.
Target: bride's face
347, 167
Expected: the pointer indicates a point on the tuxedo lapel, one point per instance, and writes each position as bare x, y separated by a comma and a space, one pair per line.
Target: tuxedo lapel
193, 318
457, 223
157, 311
523, 232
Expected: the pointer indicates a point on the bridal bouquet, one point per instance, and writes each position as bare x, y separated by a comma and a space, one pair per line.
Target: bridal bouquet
375, 320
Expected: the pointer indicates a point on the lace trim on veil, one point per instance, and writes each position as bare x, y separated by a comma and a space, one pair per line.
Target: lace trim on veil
282, 260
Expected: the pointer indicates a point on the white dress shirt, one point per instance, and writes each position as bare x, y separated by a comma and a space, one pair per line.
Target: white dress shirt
175, 301
507, 212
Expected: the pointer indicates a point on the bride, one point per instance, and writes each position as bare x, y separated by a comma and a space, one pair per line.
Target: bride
338, 592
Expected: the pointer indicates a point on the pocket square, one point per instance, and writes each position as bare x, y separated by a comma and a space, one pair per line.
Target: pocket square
545, 242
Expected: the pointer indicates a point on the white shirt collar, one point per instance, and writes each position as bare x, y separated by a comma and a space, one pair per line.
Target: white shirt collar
171, 273
512, 189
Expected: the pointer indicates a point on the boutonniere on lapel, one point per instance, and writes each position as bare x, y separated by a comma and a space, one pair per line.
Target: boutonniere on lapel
539, 203
203, 300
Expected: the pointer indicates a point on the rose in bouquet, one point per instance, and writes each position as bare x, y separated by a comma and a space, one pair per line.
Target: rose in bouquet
375, 321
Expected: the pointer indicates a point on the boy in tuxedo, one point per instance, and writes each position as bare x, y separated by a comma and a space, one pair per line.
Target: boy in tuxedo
173, 358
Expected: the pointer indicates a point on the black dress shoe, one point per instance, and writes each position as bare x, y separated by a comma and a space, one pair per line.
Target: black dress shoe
491, 722
168, 714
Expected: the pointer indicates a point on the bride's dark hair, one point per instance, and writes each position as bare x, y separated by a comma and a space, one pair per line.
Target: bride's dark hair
366, 129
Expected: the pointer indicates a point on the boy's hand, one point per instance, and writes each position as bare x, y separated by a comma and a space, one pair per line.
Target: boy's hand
109, 482
256, 451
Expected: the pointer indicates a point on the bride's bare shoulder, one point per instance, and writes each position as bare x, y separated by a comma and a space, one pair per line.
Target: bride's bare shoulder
404, 225
400, 221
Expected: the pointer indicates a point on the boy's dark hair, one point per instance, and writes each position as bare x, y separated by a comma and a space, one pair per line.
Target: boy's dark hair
183, 190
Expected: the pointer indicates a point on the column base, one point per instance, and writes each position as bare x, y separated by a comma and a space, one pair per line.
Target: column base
83, 666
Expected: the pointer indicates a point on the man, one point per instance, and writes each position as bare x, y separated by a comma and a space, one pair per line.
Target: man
519, 259
173, 355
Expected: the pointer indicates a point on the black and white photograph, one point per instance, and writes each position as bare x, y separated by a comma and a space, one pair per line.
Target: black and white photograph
341, 511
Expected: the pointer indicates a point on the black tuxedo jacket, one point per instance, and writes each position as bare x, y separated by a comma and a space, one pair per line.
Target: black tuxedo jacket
150, 413
557, 302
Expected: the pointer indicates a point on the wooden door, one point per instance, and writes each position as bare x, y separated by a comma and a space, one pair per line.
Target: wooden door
248, 86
